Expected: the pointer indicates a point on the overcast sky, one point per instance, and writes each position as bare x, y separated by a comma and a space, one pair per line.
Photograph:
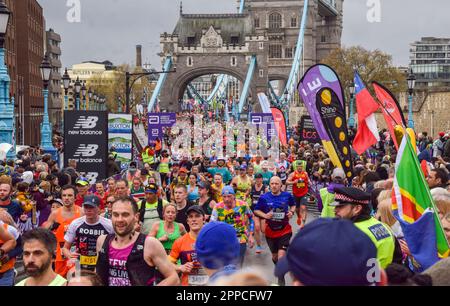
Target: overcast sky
110, 29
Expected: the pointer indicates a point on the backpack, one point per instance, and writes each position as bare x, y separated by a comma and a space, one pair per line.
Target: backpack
159, 208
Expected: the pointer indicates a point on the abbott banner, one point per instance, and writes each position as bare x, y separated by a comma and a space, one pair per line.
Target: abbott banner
120, 136
86, 142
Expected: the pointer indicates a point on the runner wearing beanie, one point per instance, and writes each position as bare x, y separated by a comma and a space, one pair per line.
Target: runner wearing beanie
218, 249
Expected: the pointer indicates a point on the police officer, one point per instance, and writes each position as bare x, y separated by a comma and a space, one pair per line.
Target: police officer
353, 204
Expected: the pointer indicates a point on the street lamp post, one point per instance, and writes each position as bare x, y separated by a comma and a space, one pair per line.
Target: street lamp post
6, 106
120, 105
351, 119
90, 93
77, 88
66, 84
286, 107
83, 94
94, 99
411, 84
46, 128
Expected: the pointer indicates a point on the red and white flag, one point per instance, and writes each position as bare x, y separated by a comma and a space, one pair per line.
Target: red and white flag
367, 134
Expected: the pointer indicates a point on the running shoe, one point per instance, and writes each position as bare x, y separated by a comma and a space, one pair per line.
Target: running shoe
259, 249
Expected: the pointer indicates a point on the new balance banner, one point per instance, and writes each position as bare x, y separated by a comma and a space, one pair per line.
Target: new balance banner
86, 142
328, 108
391, 109
308, 131
280, 124
120, 136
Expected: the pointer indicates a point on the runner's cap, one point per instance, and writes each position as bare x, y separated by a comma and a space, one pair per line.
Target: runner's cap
228, 190
151, 188
82, 182
196, 208
91, 200
258, 175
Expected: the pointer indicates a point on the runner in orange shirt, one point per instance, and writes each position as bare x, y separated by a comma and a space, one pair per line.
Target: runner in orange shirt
59, 221
299, 181
183, 249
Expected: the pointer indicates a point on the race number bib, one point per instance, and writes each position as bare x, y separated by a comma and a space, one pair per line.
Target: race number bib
88, 260
197, 279
278, 216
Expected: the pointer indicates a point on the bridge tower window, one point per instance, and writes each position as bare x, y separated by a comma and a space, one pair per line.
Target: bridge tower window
294, 22
233, 61
275, 21
189, 61
256, 22
275, 51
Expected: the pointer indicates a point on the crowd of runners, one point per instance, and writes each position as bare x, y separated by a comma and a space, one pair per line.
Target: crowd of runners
170, 221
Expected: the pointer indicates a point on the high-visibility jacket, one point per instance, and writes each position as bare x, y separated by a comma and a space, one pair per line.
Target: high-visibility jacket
327, 199
382, 237
147, 158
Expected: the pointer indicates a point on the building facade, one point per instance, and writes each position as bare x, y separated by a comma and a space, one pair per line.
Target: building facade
30, 53
430, 61
53, 48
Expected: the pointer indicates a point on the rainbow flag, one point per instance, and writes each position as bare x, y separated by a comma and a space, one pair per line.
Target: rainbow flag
414, 208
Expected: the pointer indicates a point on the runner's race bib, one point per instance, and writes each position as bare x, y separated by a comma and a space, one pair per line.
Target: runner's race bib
278, 216
197, 279
88, 260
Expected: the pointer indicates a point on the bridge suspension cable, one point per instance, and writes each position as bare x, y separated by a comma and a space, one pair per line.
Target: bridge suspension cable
159, 85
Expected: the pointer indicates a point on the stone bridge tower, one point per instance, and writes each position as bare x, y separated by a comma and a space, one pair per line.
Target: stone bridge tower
224, 43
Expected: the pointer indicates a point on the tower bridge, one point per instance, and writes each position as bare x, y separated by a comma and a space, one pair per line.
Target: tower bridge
256, 46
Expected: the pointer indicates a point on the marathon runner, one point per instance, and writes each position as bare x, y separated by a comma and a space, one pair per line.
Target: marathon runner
8, 241
217, 187
183, 249
242, 183
59, 221
258, 189
276, 207
299, 181
150, 209
128, 258
84, 232
180, 200
206, 200
39, 247
238, 214
167, 230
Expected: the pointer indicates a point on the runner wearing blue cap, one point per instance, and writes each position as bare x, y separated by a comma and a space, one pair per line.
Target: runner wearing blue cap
239, 215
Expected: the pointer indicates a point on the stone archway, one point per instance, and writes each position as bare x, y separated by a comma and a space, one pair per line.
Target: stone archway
202, 64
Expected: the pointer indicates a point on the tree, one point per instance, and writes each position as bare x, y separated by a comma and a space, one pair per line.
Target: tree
114, 88
371, 65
